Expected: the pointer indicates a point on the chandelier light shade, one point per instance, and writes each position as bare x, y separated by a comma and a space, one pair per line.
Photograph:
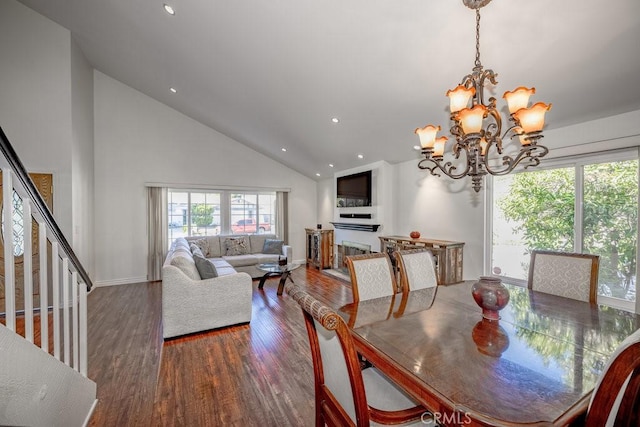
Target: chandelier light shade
477, 126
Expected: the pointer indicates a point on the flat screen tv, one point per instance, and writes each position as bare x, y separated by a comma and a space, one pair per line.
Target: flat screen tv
354, 190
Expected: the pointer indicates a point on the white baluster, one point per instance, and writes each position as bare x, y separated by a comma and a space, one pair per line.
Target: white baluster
44, 302
7, 232
28, 271
76, 343
65, 311
55, 272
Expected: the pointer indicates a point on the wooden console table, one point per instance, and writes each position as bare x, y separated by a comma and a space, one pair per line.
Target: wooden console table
448, 254
319, 248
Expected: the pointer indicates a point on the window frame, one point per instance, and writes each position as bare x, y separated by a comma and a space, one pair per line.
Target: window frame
225, 208
578, 162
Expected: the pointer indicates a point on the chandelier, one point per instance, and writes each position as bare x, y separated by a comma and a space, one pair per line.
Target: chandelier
477, 128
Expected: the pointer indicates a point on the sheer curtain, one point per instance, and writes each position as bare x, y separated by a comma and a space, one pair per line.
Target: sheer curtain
282, 215
157, 231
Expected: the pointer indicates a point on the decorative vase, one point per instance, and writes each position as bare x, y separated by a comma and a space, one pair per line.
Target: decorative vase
414, 234
490, 338
491, 295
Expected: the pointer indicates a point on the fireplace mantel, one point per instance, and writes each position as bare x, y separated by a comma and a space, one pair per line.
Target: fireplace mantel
355, 226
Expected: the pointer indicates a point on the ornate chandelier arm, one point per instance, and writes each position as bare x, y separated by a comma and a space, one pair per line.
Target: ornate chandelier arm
531, 154
447, 168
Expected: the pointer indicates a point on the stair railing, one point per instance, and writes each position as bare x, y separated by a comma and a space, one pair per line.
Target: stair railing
69, 282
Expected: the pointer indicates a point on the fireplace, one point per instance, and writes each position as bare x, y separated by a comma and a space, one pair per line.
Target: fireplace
346, 249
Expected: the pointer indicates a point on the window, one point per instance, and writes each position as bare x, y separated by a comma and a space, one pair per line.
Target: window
209, 213
18, 225
589, 205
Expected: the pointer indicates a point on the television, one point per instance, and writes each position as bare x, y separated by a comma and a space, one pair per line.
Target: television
354, 190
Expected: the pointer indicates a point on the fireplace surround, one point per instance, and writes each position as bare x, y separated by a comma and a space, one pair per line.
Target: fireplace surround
347, 248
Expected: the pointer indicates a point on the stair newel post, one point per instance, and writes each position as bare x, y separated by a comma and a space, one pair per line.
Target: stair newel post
28, 271
65, 311
84, 352
55, 272
76, 343
44, 293
9, 272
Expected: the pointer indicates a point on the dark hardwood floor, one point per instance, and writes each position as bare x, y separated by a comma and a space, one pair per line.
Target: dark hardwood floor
255, 374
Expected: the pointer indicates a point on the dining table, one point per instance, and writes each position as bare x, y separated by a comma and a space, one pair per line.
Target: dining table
536, 365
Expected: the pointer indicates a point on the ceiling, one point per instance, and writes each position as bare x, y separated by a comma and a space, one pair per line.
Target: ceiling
273, 74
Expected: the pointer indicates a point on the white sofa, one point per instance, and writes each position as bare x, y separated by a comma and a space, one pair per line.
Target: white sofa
248, 262
191, 304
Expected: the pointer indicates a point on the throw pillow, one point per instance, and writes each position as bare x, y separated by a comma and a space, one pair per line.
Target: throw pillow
272, 246
235, 246
187, 266
206, 268
203, 244
195, 250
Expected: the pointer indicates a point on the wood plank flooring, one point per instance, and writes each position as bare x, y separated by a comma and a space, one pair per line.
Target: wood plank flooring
255, 374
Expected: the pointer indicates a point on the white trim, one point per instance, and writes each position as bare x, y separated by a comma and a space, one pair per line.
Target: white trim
594, 147
488, 228
123, 281
212, 187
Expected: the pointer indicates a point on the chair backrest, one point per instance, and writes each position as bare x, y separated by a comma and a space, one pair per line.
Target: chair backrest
339, 388
371, 276
615, 401
565, 274
417, 269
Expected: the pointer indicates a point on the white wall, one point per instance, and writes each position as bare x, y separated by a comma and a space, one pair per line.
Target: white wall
139, 140
82, 157
35, 105
441, 208
326, 202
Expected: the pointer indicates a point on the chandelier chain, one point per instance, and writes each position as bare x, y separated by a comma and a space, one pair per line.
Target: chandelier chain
478, 64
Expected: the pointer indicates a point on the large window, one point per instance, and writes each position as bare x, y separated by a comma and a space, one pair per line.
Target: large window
589, 205
208, 213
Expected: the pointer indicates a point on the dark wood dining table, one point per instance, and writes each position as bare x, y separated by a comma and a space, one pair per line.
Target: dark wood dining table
537, 365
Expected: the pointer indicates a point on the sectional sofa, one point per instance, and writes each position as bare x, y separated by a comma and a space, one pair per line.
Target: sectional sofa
192, 304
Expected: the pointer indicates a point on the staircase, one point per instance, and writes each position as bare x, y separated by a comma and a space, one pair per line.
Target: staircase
43, 384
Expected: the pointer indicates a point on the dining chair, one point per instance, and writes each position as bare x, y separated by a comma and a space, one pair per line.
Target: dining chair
371, 276
615, 401
417, 269
345, 395
565, 274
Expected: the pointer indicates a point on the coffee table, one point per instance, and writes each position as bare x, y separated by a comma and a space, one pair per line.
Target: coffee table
274, 269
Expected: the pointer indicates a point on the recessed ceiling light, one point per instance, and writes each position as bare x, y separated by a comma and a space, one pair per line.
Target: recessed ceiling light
417, 147
173, 90
361, 156
330, 165
283, 149
317, 174
169, 9
335, 120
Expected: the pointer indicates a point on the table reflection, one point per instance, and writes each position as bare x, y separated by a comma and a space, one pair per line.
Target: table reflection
542, 357
379, 309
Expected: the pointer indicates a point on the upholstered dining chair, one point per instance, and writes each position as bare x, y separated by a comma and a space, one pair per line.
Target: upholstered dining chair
371, 276
615, 401
564, 274
345, 395
417, 269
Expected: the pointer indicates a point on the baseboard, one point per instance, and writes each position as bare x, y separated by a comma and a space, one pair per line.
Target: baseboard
116, 282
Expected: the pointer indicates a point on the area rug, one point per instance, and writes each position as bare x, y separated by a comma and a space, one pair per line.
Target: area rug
339, 274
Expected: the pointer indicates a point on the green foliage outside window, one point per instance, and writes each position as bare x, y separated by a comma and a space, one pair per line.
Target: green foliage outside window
542, 207
201, 214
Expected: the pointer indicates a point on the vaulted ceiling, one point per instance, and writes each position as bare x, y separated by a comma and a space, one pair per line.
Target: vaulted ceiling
273, 74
